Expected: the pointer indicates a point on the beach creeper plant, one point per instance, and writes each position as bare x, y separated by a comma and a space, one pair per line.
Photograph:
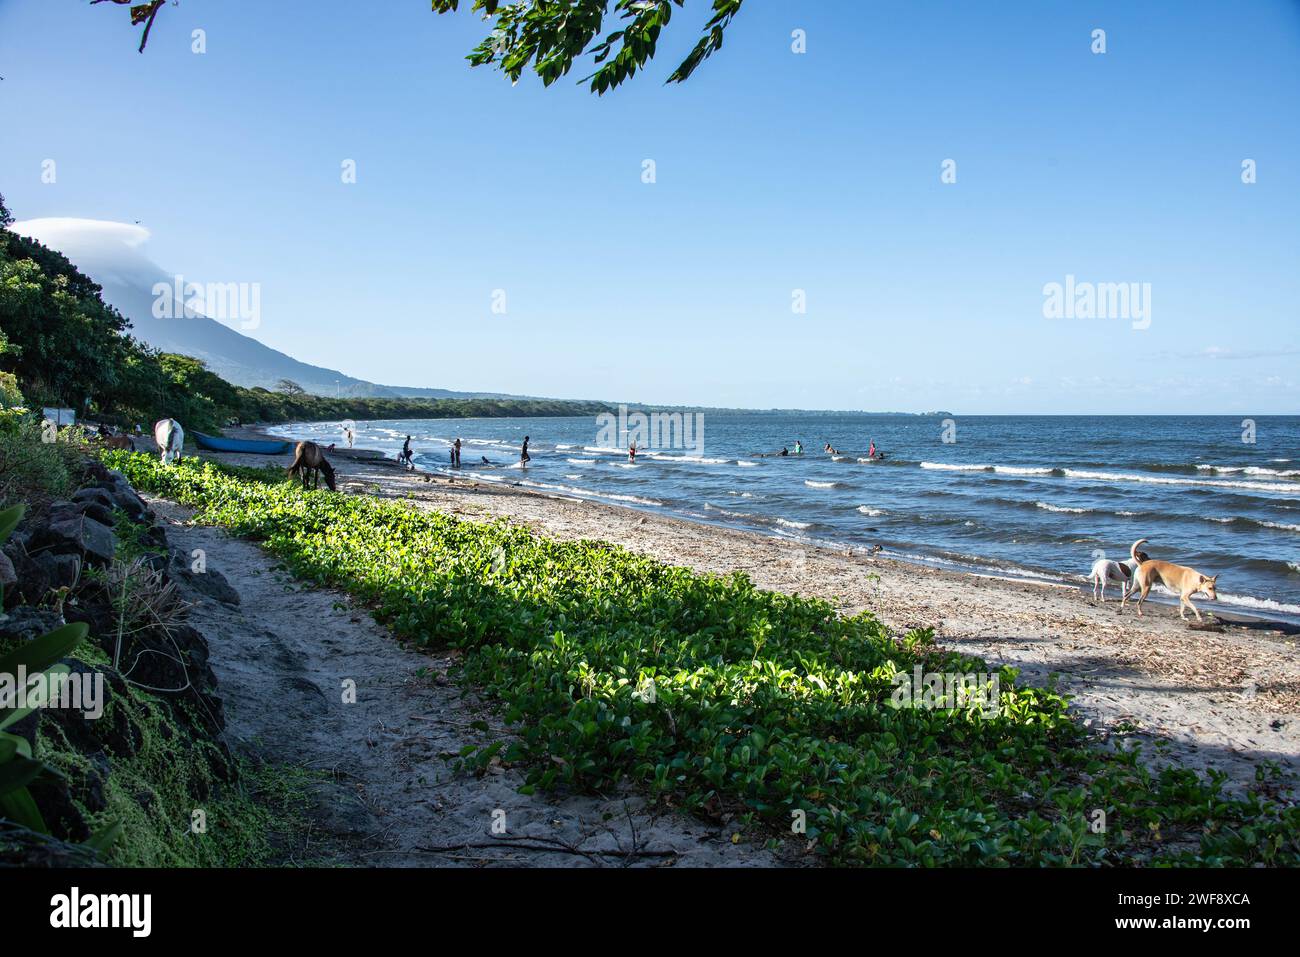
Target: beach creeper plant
766, 707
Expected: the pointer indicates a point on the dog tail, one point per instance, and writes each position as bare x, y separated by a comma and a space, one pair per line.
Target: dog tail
1134, 550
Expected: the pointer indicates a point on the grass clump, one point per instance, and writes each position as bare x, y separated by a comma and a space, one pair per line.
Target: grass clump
719, 697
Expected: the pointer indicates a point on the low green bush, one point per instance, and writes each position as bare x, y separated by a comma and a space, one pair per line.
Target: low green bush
722, 698
35, 464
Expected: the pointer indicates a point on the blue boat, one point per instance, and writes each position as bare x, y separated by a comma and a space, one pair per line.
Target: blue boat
217, 443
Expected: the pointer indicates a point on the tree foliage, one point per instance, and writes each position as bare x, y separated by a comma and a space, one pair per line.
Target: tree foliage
547, 36
60, 339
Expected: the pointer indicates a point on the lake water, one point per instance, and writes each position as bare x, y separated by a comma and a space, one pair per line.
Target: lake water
1032, 496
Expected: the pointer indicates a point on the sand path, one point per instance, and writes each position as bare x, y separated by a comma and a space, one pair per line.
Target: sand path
385, 794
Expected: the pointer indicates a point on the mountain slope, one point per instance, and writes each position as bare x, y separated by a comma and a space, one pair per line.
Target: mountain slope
109, 253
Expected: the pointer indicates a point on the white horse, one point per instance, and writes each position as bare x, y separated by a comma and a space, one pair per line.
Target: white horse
170, 438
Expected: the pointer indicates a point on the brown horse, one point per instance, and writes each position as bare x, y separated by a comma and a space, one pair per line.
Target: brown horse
308, 459
122, 442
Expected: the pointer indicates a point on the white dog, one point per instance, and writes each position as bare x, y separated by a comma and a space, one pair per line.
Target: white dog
1106, 570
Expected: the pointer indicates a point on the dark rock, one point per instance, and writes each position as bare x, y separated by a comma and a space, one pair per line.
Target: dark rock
123, 496
54, 798
94, 496
93, 539
98, 512
99, 616
62, 570
155, 537
208, 582
25, 623
33, 579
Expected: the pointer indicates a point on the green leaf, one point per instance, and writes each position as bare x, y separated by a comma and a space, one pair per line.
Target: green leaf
9, 716
42, 652
19, 807
9, 520
17, 773
103, 839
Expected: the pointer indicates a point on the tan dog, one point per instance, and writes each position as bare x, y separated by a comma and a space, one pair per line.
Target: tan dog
1179, 578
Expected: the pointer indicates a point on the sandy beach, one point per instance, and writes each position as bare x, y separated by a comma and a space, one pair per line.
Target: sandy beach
1227, 698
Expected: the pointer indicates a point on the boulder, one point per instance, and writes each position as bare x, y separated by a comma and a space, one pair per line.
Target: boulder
61, 570
93, 496
123, 496
209, 582
81, 534
98, 512
33, 579
25, 623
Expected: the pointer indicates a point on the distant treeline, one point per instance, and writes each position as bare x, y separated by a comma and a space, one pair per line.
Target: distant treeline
262, 405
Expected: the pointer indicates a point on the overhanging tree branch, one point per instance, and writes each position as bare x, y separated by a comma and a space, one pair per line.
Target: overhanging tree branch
140, 13
547, 36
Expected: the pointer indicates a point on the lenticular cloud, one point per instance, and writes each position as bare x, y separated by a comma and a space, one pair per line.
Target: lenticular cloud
103, 249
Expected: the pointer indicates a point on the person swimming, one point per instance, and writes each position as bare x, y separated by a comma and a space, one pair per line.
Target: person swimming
784, 451
831, 450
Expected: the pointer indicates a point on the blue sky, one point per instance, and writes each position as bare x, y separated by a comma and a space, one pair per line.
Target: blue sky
775, 172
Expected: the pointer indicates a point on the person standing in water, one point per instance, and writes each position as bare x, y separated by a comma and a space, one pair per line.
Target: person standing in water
871, 452
798, 447
524, 457
631, 452
455, 453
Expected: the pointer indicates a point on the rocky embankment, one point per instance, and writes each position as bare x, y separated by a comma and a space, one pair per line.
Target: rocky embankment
136, 739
